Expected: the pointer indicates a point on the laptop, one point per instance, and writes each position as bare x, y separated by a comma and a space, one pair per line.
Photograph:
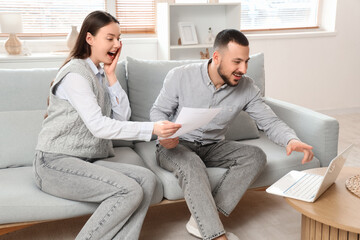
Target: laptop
306, 186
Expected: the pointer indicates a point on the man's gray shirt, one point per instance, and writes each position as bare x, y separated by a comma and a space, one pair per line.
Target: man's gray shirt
190, 86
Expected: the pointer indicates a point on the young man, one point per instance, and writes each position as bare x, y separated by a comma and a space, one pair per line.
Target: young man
218, 83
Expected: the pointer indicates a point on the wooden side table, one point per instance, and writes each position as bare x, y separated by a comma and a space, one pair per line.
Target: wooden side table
335, 214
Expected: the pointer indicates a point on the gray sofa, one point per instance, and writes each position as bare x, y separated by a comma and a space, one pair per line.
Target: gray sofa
23, 94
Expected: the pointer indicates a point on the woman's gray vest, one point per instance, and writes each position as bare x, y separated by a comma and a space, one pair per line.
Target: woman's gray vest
63, 131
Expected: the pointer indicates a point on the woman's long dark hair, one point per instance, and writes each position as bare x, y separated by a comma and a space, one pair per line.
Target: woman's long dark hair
92, 23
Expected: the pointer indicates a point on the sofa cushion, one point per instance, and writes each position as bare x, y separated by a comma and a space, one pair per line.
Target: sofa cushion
121, 77
278, 164
256, 71
25, 89
28, 89
18, 138
18, 184
243, 127
30, 93
145, 80
120, 72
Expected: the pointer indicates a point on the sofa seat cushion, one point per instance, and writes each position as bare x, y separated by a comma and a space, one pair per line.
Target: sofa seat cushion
21, 200
278, 164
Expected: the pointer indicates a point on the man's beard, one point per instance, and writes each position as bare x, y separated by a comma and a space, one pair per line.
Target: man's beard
225, 78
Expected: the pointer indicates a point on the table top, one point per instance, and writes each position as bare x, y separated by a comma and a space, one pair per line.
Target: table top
337, 206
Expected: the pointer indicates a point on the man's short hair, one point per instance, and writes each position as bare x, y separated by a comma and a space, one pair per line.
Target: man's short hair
230, 35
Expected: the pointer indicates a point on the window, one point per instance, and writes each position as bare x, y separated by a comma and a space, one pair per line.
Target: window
49, 17
54, 18
277, 14
274, 14
136, 16
191, 1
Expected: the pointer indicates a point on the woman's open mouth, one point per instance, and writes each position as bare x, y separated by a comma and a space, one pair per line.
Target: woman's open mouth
111, 54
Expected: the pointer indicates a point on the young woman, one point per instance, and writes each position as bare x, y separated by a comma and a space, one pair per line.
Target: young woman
87, 108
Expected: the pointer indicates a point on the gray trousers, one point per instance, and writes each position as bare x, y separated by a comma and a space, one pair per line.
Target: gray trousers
124, 192
188, 162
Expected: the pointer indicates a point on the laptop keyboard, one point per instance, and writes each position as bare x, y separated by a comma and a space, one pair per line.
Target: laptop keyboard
305, 187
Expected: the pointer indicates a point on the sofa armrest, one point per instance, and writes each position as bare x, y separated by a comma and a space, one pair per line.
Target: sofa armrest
313, 128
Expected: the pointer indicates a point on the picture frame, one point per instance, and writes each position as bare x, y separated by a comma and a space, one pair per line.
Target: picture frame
187, 33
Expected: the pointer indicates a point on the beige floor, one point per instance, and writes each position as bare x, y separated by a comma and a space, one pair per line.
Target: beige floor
258, 215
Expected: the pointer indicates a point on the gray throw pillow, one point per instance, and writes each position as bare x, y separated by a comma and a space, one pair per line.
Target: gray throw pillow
256, 71
25, 89
243, 127
145, 80
121, 75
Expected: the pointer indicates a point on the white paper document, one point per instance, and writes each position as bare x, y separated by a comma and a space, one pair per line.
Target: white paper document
193, 118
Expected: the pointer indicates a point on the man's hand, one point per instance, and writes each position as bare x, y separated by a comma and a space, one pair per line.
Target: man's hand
165, 129
169, 143
298, 146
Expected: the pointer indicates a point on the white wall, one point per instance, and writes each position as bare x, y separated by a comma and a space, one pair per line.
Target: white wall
321, 73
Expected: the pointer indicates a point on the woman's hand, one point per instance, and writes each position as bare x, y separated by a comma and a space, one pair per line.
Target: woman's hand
165, 129
110, 68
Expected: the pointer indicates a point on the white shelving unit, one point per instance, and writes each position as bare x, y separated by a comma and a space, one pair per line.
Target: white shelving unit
217, 16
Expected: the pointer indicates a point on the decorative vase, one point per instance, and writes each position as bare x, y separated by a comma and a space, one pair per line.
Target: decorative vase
71, 37
13, 45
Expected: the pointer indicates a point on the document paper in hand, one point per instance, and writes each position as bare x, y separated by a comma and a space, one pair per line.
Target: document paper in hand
193, 118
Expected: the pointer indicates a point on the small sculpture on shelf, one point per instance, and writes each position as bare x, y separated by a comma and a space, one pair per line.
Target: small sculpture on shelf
205, 55
179, 41
210, 37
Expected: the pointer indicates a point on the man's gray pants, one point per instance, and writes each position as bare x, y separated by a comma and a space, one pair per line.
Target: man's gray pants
188, 162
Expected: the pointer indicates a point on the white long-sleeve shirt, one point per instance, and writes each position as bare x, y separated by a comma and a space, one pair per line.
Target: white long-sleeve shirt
76, 89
